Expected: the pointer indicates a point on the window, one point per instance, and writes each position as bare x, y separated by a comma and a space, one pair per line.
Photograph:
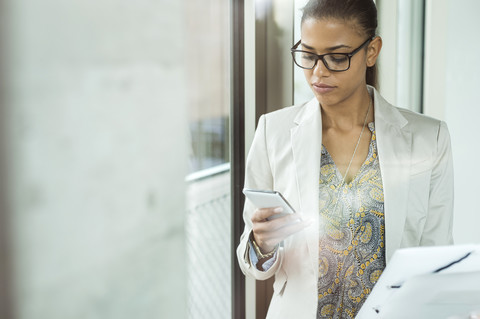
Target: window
208, 218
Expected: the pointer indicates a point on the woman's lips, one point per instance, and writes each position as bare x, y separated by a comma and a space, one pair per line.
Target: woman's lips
322, 88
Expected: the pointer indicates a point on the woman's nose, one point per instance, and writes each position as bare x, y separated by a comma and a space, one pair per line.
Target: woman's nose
320, 69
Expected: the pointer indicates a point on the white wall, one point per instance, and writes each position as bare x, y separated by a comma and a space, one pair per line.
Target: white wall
462, 113
400, 24
96, 153
452, 93
387, 11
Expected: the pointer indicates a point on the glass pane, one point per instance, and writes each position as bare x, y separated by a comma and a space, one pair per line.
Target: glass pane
301, 91
208, 191
208, 81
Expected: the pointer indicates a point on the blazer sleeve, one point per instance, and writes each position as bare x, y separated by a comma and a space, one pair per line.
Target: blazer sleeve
258, 175
438, 226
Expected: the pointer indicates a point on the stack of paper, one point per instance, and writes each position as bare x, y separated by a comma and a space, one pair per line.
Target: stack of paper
428, 282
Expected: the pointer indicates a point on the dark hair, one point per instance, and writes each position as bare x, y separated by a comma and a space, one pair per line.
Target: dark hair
361, 12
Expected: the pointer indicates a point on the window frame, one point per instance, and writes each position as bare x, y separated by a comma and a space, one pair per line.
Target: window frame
237, 152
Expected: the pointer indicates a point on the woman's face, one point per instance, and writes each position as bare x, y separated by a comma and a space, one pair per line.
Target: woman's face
336, 36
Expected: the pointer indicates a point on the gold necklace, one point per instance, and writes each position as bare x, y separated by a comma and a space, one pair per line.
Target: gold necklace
353, 156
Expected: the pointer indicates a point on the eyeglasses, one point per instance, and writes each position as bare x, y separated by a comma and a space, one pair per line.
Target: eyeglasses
336, 62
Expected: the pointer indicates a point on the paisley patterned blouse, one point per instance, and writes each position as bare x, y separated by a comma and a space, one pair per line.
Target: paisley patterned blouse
352, 235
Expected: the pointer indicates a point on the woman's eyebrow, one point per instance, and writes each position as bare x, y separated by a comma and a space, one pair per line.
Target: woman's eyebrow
340, 46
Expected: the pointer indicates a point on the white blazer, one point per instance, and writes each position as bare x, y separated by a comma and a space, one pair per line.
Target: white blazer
417, 172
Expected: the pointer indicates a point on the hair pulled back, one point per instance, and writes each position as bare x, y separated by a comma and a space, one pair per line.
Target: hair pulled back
362, 12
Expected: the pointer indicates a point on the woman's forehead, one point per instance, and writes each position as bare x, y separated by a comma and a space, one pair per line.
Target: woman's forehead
326, 33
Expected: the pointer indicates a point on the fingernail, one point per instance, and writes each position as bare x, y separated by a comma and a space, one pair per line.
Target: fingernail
278, 210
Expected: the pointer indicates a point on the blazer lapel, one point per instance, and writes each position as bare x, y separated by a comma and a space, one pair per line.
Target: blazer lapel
394, 151
306, 140
394, 143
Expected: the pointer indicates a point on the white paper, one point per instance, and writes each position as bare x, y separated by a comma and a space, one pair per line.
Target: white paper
422, 293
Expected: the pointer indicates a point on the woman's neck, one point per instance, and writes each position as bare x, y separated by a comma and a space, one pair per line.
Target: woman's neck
347, 114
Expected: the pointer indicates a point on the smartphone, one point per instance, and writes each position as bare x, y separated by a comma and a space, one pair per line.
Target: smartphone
267, 198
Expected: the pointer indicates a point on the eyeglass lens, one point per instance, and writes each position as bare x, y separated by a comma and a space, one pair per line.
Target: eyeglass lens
334, 62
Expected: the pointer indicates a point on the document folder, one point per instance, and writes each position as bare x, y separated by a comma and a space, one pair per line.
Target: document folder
427, 282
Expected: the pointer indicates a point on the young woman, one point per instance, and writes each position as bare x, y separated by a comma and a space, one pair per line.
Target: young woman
365, 177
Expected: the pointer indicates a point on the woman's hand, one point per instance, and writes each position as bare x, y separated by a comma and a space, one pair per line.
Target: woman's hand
268, 233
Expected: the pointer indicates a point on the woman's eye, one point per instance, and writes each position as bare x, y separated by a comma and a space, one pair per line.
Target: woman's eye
308, 57
339, 58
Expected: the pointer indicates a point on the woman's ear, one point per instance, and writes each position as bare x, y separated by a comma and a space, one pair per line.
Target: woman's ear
373, 50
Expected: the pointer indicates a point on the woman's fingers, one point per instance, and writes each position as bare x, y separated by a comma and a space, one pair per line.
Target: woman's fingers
269, 233
262, 214
269, 240
264, 225
284, 231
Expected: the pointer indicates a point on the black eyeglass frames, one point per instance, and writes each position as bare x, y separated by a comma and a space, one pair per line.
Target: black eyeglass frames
336, 62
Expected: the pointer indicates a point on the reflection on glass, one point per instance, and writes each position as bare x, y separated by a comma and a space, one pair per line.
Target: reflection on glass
301, 92
208, 81
209, 142
208, 233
